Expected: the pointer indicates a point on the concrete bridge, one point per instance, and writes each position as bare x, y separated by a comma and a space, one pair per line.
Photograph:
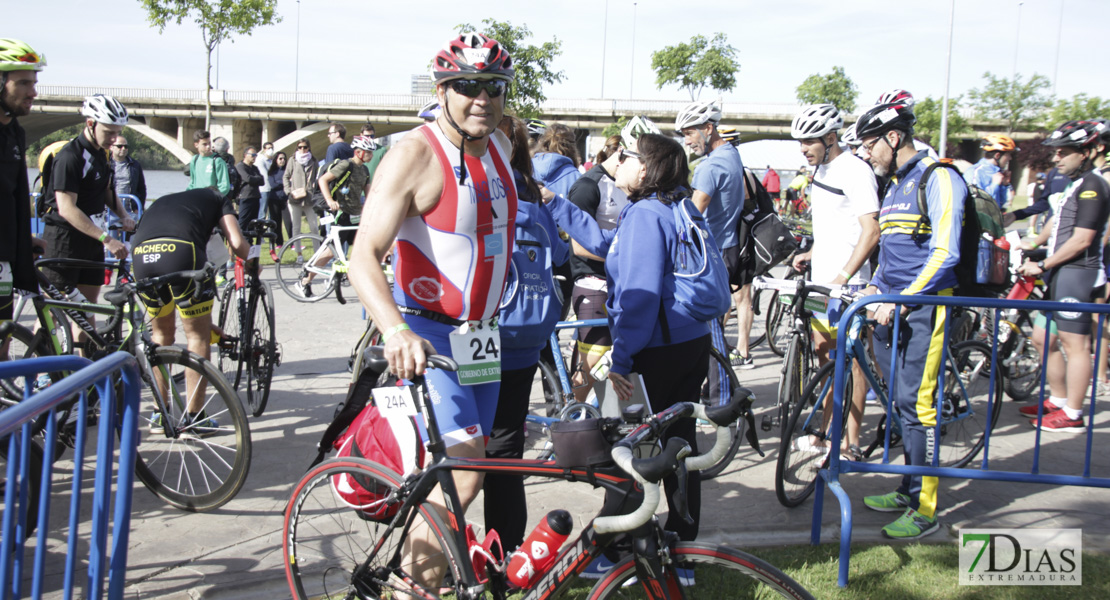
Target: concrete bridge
169, 117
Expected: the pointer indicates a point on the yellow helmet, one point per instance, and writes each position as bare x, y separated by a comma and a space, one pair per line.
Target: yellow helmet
18, 56
996, 142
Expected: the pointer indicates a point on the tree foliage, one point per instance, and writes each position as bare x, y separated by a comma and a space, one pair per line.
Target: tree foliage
1034, 154
836, 88
614, 128
219, 20
1080, 107
532, 64
693, 66
1015, 102
141, 148
928, 113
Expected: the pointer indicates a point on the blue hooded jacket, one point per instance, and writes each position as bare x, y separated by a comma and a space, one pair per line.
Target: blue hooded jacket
555, 172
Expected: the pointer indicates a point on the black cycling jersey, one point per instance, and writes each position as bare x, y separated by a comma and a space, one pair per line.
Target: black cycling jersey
190, 215
15, 205
1086, 206
79, 169
586, 194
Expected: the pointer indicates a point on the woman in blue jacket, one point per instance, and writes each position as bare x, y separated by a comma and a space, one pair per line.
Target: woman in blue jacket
555, 163
639, 267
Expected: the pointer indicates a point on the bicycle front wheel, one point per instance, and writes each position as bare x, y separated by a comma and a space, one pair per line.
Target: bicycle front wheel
203, 463
713, 570
799, 458
706, 433
229, 360
964, 418
293, 265
778, 331
791, 382
332, 549
261, 353
1023, 374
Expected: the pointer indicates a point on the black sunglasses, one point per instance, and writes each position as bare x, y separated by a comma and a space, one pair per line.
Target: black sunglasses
628, 154
119, 145
471, 88
302, 147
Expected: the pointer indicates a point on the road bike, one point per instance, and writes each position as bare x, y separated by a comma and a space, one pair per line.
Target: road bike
196, 460
329, 274
248, 349
968, 405
334, 549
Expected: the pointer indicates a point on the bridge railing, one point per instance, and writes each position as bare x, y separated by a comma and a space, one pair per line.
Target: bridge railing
27, 464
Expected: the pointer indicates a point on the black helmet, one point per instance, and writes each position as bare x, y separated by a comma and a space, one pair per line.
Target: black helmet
881, 118
1077, 134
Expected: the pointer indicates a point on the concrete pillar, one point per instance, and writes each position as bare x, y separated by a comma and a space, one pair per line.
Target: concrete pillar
247, 133
186, 126
225, 128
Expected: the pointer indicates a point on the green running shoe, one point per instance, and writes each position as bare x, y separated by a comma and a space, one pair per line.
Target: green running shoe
892, 502
911, 525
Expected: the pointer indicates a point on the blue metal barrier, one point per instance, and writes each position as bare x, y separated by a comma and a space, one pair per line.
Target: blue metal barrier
837, 467
16, 422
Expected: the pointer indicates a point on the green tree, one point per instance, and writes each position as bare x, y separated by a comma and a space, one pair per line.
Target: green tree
532, 64
1015, 102
149, 154
614, 128
928, 113
1081, 106
836, 88
696, 65
218, 21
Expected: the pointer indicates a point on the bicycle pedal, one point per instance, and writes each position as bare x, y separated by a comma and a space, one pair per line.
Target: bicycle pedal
766, 423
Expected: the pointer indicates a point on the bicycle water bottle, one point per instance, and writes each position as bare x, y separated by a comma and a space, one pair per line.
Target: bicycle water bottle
1023, 288
536, 555
601, 370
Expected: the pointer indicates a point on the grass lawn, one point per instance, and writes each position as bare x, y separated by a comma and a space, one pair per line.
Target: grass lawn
897, 572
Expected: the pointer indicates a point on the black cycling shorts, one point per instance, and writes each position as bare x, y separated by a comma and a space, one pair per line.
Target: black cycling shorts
161, 256
1074, 285
740, 272
589, 303
64, 242
347, 237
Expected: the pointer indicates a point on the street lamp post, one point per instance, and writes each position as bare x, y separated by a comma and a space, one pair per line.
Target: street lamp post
947, 80
632, 70
1059, 32
604, 45
297, 62
1017, 41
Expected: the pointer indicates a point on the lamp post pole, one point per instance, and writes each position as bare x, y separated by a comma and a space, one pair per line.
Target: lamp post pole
297, 62
632, 70
947, 80
604, 46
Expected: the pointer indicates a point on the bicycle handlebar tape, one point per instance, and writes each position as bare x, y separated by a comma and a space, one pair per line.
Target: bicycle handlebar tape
724, 415
676, 450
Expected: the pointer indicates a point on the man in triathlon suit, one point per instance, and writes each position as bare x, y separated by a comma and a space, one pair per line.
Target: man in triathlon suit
446, 194
81, 188
845, 207
914, 259
19, 67
1075, 272
351, 182
172, 236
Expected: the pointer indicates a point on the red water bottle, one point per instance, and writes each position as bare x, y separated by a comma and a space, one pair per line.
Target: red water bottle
240, 273
1023, 288
537, 553
1002, 243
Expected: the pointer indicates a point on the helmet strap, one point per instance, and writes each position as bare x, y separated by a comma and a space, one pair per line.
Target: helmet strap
465, 136
892, 165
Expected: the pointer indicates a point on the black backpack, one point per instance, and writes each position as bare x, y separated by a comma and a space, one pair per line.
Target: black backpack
233, 177
764, 239
983, 268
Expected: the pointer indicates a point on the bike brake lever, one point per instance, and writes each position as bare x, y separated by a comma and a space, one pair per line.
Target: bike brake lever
753, 439
680, 502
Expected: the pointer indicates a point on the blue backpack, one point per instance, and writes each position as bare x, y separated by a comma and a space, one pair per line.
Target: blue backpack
701, 278
532, 301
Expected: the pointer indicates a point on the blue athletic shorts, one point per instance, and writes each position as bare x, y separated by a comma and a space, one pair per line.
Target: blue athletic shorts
464, 412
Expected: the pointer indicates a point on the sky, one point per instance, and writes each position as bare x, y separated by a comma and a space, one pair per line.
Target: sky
374, 46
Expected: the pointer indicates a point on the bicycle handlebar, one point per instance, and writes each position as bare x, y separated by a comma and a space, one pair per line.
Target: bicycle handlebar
794, 286
375, 357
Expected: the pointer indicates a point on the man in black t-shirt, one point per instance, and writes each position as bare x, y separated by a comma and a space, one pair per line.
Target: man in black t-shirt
1075, 274
80, 188
19, 67
172, 236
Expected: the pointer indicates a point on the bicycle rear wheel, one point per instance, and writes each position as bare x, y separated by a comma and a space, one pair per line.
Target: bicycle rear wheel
778, 330
290, 271
205, 464
230, 358
371, 336
1023, 375
963, 408
713, 569
798, 461
791, 383
333, 550
261, 354
706, 433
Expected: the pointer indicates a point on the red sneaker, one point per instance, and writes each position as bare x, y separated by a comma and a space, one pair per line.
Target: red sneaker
1059, 421
1031, 411
274, 256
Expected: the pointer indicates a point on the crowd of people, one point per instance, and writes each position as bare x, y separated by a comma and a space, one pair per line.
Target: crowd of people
450, 198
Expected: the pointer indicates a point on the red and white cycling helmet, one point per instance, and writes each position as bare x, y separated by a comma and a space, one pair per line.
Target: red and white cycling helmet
896, 96
472, 54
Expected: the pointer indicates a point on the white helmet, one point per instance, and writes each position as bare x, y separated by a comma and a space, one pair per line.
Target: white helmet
363, 142
697, 113
815, 121
635, 128
104, 109
897, 95
849, 136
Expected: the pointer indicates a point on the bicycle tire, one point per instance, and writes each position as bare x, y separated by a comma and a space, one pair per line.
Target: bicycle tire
791, 381
707, 436
554, 396
961, 439
327, 544
796, 469
758, 300
289, 273
371, 336
262, 352
1022, 377
229, 360
24, 344
715, 568
200, 469
34, 483
778, 335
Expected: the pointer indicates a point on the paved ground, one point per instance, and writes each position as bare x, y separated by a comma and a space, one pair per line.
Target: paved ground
234, 552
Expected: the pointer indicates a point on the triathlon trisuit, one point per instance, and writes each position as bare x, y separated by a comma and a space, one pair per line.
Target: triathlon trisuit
173, 236
450, 267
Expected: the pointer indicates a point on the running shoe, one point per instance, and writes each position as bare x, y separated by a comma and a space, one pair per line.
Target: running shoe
300, 258
274, 255
156, 421
911, 525
1031, 411
892, 502
201, 425
304, 289
805, 444
740, 361
1059, 421
599, 568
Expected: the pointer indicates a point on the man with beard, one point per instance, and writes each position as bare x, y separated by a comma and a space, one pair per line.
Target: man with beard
918, 254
